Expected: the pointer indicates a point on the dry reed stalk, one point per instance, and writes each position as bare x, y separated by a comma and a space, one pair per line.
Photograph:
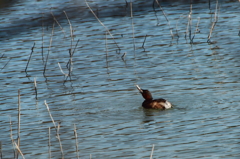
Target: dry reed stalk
70, 63
19, 115
49, 142
70, 26
69, 66
155, 13
190, 23
59, 140
5, 64
214, 23
61, 28
144, 42
72, 39
75, 47
165, 18
50, 114
123, 56
152, 152
133, 34
59, 65
177, 29
11, 136
186, 33
106, 46
29, 57
56, 128
35, 88
103, 25
42, 38
49, 48
76, 139
196, 30
18, 148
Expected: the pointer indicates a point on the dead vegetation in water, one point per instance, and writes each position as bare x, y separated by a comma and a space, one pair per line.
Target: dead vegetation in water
17, 144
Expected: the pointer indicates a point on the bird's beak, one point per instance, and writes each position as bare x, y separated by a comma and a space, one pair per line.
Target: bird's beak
140, 90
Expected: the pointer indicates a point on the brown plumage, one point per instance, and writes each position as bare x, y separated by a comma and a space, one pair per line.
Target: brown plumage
149, 102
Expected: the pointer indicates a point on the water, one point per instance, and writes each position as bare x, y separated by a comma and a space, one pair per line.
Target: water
201, 80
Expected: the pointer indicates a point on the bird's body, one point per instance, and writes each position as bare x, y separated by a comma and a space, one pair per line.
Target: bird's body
151, 103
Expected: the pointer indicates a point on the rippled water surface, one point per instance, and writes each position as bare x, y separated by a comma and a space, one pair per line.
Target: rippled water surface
200, 78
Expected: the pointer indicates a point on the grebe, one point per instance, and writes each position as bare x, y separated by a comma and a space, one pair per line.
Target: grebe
149, 102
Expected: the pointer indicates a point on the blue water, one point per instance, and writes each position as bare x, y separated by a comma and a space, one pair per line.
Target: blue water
200, 79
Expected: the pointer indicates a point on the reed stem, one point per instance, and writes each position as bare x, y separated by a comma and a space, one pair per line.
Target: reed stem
190, 23
56, 128
106, 46
144, 42
5, 64
103, 25
29, 57
70, 50
165, 18
133, 34
214, 22
59, 65
42, 38
152, 152
59, 140
76, 139
50, 115
49, 48
18, 148
61, 28
19, 115
49, 143
35, 88
11, 136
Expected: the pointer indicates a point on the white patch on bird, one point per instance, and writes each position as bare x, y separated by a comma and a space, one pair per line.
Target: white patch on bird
167, 105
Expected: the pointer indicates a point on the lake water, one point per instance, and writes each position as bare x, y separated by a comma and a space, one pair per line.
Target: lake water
199, 77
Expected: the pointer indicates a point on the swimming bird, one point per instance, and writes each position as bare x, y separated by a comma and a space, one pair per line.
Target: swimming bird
149, 102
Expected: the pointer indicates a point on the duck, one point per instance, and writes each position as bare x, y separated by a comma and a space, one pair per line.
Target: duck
150, 103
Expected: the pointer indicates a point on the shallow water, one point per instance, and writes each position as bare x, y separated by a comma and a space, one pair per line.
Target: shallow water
200, 79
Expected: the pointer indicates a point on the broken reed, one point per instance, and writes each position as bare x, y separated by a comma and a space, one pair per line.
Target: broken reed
6, 63
56, 128
19, 115
30, 56
35, 88
151, 156
76, 140
214, 22
49, 49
